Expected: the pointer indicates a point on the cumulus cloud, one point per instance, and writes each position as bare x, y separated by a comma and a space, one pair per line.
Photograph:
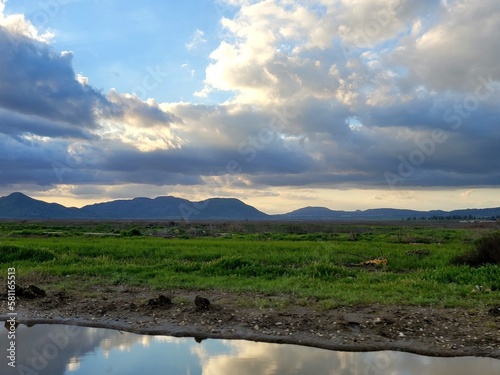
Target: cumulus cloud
59, 121
143, 124
261, 59
385, 62
455, 52
37, 81
19, 28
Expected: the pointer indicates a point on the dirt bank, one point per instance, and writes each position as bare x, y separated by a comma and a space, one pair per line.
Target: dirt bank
422, 330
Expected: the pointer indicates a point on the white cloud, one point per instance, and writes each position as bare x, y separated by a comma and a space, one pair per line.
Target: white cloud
196, 39
456, 51
279, 52
263, 57
82, 79
18, 27
141, 124
203, 93
364, 23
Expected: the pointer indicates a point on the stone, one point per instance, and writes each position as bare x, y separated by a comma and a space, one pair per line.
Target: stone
495, 311
202, 303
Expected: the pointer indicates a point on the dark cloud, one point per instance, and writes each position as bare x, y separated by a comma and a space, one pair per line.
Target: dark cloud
15, 123
37, 81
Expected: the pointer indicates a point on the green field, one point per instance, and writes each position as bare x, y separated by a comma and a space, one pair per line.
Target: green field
297, 262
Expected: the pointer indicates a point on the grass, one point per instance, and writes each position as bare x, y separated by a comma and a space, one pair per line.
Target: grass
485, 251
293, 264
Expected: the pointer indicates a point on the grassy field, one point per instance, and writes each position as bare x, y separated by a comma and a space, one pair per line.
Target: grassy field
297, 262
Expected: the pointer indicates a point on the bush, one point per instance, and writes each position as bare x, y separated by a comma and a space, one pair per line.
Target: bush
486, 251
131, 233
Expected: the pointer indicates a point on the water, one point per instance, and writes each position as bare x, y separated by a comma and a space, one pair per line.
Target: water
69, 350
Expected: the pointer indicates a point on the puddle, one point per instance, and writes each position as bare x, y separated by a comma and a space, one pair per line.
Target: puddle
71, 350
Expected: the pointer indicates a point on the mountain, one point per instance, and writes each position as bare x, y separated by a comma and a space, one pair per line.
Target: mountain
226, 208
322, 213
175, 208
137, 208
313, 213
20, 206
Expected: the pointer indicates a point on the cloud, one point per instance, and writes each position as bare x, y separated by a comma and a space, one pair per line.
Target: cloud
367, 59
260, 59
196, 40
298, 73
37, 81
459, 49
60, 122
18, 28
143, 124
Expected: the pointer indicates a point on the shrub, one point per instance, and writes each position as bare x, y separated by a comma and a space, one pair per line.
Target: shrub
134, 232
131, 233
486, 251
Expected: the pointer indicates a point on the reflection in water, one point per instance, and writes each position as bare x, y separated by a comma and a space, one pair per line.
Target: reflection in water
68, 350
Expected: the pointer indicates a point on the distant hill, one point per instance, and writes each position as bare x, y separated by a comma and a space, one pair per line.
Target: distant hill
20, 206
313, 213
322, 213
137, 208
175, 208
226, 208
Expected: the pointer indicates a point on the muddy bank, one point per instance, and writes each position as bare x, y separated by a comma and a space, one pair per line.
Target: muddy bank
421, 330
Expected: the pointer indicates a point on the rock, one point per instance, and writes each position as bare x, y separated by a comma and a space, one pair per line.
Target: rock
202, 303
36, 291
495, 311
161, 301
30, 292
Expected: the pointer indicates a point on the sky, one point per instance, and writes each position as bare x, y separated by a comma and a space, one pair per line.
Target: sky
346, 104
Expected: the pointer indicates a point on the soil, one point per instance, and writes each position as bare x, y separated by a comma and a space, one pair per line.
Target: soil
429, 331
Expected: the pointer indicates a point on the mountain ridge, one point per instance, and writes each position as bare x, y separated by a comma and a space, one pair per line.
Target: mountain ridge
20, 206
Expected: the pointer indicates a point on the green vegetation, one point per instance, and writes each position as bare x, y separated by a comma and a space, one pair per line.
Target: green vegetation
486, 251
296, 262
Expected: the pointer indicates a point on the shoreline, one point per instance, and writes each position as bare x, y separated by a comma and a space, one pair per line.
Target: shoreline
423, 330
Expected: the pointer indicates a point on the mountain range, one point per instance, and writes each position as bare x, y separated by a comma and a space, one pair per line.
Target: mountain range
19, 206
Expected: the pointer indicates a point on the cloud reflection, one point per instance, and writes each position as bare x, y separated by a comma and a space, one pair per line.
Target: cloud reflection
250, 358
91, 350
